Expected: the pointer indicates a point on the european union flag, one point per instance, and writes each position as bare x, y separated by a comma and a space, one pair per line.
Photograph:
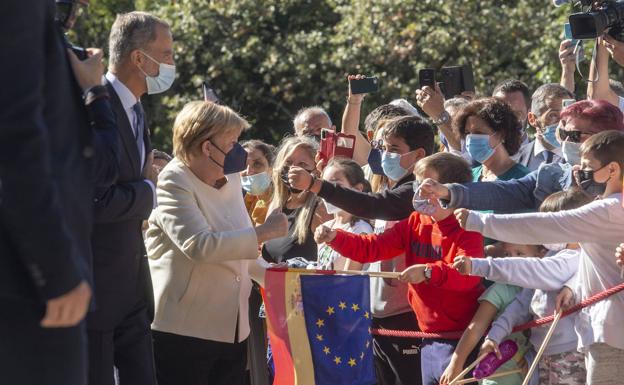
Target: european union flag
338, 321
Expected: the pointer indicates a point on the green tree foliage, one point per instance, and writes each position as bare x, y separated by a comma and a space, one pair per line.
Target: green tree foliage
269, 58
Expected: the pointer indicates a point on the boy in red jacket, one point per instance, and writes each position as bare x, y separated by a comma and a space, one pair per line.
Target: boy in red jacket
442, 299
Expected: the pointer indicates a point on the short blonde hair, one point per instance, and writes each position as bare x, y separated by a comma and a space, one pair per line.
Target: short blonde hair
199, 121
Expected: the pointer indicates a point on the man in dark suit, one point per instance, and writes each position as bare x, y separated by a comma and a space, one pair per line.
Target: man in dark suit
48, 169
141, 61
546, 105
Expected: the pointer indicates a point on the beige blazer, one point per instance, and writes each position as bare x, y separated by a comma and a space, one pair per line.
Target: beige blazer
200, 243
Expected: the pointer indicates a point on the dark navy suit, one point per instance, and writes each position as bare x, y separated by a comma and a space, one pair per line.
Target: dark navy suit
53, 153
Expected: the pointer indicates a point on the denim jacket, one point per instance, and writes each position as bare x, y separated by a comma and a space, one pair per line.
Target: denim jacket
514, 195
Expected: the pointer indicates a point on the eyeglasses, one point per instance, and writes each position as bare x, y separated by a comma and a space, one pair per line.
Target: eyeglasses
377, 144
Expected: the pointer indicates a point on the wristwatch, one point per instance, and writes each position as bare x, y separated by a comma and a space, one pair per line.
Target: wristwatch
444, 118
427, 273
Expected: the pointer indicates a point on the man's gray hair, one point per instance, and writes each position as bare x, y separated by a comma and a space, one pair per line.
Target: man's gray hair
547, 92
130, 31
304, 113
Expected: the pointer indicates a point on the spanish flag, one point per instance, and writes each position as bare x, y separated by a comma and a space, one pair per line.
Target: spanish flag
319, 328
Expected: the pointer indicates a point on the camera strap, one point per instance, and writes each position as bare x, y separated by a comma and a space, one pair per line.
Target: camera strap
579, 56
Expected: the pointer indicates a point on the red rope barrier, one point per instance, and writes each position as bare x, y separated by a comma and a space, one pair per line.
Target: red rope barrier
538, 322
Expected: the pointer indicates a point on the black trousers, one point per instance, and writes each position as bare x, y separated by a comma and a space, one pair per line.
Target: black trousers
397, 360
128, 347
32, 355
182, 360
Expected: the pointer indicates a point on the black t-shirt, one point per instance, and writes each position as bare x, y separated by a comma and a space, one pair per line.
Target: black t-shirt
285, 248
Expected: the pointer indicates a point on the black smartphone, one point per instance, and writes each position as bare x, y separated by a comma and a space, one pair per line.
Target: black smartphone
451, 76
364, 86
209, 94
80, 52
467, 78
426, 77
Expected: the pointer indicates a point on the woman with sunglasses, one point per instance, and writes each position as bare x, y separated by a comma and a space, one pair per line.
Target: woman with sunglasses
579, 122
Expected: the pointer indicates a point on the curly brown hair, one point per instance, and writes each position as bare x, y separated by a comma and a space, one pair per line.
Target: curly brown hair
499, 117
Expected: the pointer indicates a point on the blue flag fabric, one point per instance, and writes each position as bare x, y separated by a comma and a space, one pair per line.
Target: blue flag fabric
338, 321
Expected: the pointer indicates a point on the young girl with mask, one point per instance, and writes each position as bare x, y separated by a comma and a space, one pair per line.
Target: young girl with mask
597, 227
492, 133
345, 173
256, 179
541, 280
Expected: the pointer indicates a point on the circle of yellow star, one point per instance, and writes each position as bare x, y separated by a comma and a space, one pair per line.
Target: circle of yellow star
320, 322
326, 350
342, 305
352, 362
366, 315
330, 310
319, 337
337, 360
355, 307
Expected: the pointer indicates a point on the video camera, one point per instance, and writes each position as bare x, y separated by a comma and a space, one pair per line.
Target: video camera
603, 15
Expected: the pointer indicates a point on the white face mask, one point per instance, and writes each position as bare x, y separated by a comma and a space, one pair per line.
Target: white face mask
556, 247
331, 209
571, 152
161, 82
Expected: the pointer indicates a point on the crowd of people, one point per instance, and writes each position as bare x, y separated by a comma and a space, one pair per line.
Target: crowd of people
122, 264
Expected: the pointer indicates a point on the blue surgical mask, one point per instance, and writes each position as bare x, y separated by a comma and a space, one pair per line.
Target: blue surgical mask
391, 165
478, 146
161, 82
374, 161
550, 135
256, 184
571, 152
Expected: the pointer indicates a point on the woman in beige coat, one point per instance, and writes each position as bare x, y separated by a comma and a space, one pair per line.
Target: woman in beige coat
203, 248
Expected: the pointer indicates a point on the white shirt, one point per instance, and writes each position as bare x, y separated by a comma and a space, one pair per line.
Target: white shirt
598, 228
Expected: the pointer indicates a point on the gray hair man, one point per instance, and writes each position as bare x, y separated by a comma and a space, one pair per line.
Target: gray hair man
310, 121
546, 105
141, 61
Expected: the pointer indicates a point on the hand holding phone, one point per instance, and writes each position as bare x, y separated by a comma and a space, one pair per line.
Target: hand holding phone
364, 86
336, 144
426, 78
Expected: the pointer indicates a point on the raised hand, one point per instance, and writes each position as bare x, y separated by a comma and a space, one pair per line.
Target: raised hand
88, 72
462, 217
324, 234
355, 98
431, 189
299, 178
431, 101
567, 56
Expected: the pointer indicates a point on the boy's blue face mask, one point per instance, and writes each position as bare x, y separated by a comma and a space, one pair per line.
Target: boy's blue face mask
391, 164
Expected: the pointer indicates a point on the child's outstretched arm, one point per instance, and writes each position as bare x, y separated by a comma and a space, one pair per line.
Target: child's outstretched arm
469, 340
549, 273
599, 220
366, 248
